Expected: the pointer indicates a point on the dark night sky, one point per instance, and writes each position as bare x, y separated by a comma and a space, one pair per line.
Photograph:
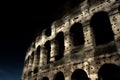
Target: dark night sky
20, 21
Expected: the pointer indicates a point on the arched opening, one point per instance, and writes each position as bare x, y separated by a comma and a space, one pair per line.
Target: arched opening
32, 57
38, 49
76, 34
59, 76
109, 71
48, 31
38, 54
102, 28
45, 78
59, 46
47, 50
79, 74
35, 70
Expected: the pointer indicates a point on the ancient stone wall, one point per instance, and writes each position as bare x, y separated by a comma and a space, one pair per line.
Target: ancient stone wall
77, 44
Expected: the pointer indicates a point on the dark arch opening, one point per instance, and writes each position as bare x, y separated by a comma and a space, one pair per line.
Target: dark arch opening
45, 78
35, 70
47, 50
76, 34
48, 31
59, 46
102, 28
38, 54
32, 57
59, 76
38, 49
119, 9
79, 74
109, 71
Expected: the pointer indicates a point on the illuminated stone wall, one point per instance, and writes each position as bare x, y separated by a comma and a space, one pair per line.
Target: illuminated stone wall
75, 42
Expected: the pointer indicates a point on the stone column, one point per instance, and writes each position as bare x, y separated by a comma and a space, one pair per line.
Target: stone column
68, 44
52, 53
115, 21
29, 63
41, 56
89, 40
35, 60
88, 36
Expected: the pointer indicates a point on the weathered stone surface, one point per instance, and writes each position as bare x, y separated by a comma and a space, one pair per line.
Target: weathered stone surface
88, 55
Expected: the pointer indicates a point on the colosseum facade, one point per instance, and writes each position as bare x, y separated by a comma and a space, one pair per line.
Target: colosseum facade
76, 45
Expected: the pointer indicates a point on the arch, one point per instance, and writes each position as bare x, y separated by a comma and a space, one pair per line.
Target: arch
79, 74
109, 71
38, 49
76, 34
35, 70
48, 31
45, 78
32, 57
59, 76
59, 46
101, 26
47, 50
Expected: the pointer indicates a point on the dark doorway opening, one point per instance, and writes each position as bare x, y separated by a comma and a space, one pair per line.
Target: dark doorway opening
79, 74
48, 31
59, 76
45, 78
32, 57
59, 46
76, 34
109, 71
35, 70
38, 54
47, 50
102, 28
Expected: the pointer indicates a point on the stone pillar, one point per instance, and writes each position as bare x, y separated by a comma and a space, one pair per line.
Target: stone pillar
115, 21
52, 53
68, 44
41, 56
35, 61
29, 63
89, 46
